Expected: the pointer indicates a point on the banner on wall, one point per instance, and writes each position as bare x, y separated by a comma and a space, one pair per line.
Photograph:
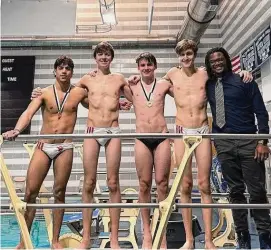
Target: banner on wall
248, 58
17, 79
258, 52
263, 46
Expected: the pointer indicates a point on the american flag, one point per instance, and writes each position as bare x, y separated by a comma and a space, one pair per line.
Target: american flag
236, 64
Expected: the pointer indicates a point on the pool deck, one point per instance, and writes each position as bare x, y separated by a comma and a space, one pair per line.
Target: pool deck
199, 240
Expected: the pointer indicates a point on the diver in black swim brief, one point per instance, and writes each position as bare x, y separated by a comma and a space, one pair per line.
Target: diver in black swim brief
150, 153
152, 143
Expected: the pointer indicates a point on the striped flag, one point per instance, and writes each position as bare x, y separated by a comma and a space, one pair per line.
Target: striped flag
236, 64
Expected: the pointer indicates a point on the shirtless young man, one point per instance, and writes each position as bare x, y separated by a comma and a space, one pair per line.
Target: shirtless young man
149, 100
59, 104
191, 102
103, 95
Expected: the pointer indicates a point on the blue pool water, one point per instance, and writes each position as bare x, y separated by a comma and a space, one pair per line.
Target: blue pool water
10, 232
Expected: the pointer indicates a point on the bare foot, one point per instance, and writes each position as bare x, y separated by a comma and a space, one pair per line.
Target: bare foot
56, 245
210, 245
164, 243
188, 245
20, 246
147, 242
114, 245
84, 245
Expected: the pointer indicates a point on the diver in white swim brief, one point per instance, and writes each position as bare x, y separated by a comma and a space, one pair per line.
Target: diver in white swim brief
53, 150
109, 130
193, 131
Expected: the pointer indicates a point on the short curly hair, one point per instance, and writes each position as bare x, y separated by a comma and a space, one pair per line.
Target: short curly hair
186, 44
209, 70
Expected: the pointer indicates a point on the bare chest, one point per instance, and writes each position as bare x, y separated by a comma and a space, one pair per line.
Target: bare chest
63, 103
149, 93
189, 86
104, 88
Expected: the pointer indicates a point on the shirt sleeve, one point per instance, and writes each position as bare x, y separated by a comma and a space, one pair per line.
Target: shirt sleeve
259, 109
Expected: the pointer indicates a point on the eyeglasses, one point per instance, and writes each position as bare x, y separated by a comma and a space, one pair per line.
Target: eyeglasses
219, 60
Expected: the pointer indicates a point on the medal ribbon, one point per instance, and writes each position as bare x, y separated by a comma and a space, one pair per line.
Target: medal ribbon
148, 96
61, 106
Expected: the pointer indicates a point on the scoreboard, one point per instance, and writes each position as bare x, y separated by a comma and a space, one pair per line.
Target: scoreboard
17, 81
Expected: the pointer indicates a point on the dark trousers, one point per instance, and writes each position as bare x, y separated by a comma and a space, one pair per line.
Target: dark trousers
240, 170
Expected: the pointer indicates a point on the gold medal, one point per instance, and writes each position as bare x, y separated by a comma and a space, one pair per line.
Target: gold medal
148, 95
149, 104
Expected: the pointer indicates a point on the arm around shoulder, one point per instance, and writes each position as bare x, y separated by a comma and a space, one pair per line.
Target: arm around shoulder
168, 85
82, 82
168, 75
126, 89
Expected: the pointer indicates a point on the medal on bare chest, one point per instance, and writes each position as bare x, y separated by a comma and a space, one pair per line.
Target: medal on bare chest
148, 95
149, 104
60, 106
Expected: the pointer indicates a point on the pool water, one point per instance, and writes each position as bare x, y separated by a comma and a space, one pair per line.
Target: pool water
10, 232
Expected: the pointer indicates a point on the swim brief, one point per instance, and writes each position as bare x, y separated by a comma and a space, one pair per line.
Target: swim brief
187, 131
53, 150
109, 130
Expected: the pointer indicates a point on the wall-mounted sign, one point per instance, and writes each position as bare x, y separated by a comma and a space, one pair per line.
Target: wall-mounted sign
263, 46
258, 52
248, 58
17, 79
